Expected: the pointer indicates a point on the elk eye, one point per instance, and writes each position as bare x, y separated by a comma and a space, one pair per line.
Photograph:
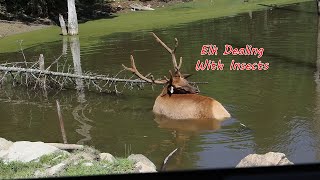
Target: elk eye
171, 89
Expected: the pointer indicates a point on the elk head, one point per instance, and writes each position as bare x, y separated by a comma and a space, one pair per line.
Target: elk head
177, 84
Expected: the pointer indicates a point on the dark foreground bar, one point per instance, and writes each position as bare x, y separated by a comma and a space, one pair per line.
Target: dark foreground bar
301, 172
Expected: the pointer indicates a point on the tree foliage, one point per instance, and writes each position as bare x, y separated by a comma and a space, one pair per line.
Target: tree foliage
31, 10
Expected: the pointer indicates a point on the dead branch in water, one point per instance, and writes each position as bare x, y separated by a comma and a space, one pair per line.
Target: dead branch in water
46, 79
68, 75
62, 80
36, 75
64, 137
166, 159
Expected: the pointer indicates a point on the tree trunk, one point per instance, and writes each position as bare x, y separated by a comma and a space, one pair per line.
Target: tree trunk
63, 25
75, 51
42, 77
72, 18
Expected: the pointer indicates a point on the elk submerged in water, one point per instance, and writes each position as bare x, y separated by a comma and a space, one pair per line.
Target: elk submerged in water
179, 99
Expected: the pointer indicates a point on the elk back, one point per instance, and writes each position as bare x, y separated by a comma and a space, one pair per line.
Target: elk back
189, 106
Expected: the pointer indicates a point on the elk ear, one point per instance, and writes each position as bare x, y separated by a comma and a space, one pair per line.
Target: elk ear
186, 75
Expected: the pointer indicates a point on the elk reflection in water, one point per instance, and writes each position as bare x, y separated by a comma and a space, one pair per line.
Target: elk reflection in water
183, 130
187, 125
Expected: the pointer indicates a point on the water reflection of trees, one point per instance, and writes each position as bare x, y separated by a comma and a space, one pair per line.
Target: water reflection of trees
33, 98
317, 99
78, 112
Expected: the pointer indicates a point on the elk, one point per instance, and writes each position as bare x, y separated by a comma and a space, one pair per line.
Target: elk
179, 99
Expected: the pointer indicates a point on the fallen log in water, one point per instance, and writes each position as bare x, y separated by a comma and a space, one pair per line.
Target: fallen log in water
63, 78
52, 73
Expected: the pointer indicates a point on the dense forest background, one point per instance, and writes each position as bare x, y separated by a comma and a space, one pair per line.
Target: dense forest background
46, 11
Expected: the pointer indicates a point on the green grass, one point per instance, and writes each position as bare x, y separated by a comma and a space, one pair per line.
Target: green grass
121, 166
18, 170
146, 20
14, 170
53, 159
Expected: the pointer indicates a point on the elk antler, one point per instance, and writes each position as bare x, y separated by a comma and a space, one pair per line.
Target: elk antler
137, 73
172, 52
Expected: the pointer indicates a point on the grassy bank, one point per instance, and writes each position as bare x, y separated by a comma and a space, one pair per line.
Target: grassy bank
134, 21
17, 170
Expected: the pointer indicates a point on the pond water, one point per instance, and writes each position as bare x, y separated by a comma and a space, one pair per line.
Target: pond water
280, 106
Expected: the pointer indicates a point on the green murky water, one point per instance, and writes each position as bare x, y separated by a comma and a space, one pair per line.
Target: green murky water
280, 105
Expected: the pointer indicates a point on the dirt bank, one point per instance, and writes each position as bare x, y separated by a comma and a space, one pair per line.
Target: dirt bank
14, 27
124, 6
8, 28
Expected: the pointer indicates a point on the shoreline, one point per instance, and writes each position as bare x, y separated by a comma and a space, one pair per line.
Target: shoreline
29, 159
144, 20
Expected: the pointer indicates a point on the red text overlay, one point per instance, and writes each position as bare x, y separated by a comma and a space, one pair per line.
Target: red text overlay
229, 50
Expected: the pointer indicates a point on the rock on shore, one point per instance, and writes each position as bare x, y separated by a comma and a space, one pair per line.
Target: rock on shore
25, 151
268, 159
142, 164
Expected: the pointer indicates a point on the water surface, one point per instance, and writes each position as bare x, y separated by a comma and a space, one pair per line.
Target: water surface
280, 106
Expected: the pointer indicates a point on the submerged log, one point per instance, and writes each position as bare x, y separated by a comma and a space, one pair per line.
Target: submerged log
63, 132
